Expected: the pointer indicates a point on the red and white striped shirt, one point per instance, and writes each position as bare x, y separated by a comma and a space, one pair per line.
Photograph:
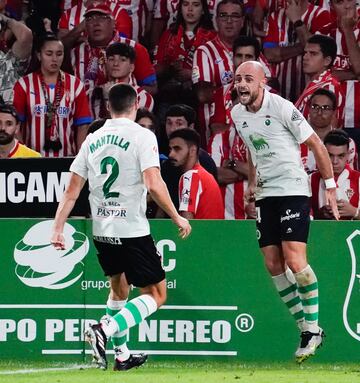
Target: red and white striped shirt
351, 88
138, 10
213, 63
347, 189
308, 159
281, 33
29, 101
89, 64
75, 15
325, 81
229, 146
200, 194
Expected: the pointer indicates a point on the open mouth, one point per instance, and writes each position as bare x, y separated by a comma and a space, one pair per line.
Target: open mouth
244, 93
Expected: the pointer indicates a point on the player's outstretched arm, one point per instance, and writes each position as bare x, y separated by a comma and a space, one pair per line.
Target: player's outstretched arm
66, 204
160, 194
324, 165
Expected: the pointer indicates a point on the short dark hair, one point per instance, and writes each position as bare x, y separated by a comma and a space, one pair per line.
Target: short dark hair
121, 49
247, 41
144, 112
95, 125
189, 135
223, 2
327, 45
9, 109
182, 110
325, 92
337, 137
122, 97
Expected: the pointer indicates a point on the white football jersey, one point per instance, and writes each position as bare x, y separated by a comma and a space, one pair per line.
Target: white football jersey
113, 159
273, 135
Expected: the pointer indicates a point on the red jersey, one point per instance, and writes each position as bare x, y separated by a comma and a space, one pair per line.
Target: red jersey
282, 33
73, 110
200, 194
347, 188
326, 81
309, 162
351, 88
213, 63
229, 146
179, 47
75, 15
89, 64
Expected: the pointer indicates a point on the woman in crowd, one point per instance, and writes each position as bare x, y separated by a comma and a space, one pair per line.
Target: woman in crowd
52, 105
174, 55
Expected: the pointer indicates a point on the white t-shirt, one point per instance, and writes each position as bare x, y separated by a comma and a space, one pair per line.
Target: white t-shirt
113, 159
273, 135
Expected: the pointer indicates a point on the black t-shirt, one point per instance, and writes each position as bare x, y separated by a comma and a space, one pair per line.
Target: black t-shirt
172, 174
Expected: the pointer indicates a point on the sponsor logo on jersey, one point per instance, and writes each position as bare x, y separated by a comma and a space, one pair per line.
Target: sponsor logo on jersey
244, 125
259, 143
289, 215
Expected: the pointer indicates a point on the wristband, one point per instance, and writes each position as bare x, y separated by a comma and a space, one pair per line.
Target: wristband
330, 183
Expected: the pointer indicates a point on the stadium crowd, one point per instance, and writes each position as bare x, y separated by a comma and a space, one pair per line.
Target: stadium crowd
59, 59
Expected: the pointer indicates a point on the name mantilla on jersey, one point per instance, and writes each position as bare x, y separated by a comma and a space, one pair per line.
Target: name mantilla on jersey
111, 139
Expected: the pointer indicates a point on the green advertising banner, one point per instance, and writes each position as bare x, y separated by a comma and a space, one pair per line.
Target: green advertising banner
221, 301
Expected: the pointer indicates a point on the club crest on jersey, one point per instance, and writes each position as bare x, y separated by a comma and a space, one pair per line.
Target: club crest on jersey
296, 116
39, 110
349, 193
67, 97
227, 77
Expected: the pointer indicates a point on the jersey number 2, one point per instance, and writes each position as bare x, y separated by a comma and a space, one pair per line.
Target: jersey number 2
114, 173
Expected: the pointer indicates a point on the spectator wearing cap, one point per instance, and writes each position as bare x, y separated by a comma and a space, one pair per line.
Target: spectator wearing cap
88, 59
10, 147
73, 20
139, 11
120, 65
347, 181
14, 59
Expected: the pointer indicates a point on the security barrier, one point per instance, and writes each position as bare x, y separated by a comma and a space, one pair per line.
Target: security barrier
221, 301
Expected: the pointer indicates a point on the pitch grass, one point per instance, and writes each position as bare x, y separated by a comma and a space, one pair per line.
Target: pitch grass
181, 372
